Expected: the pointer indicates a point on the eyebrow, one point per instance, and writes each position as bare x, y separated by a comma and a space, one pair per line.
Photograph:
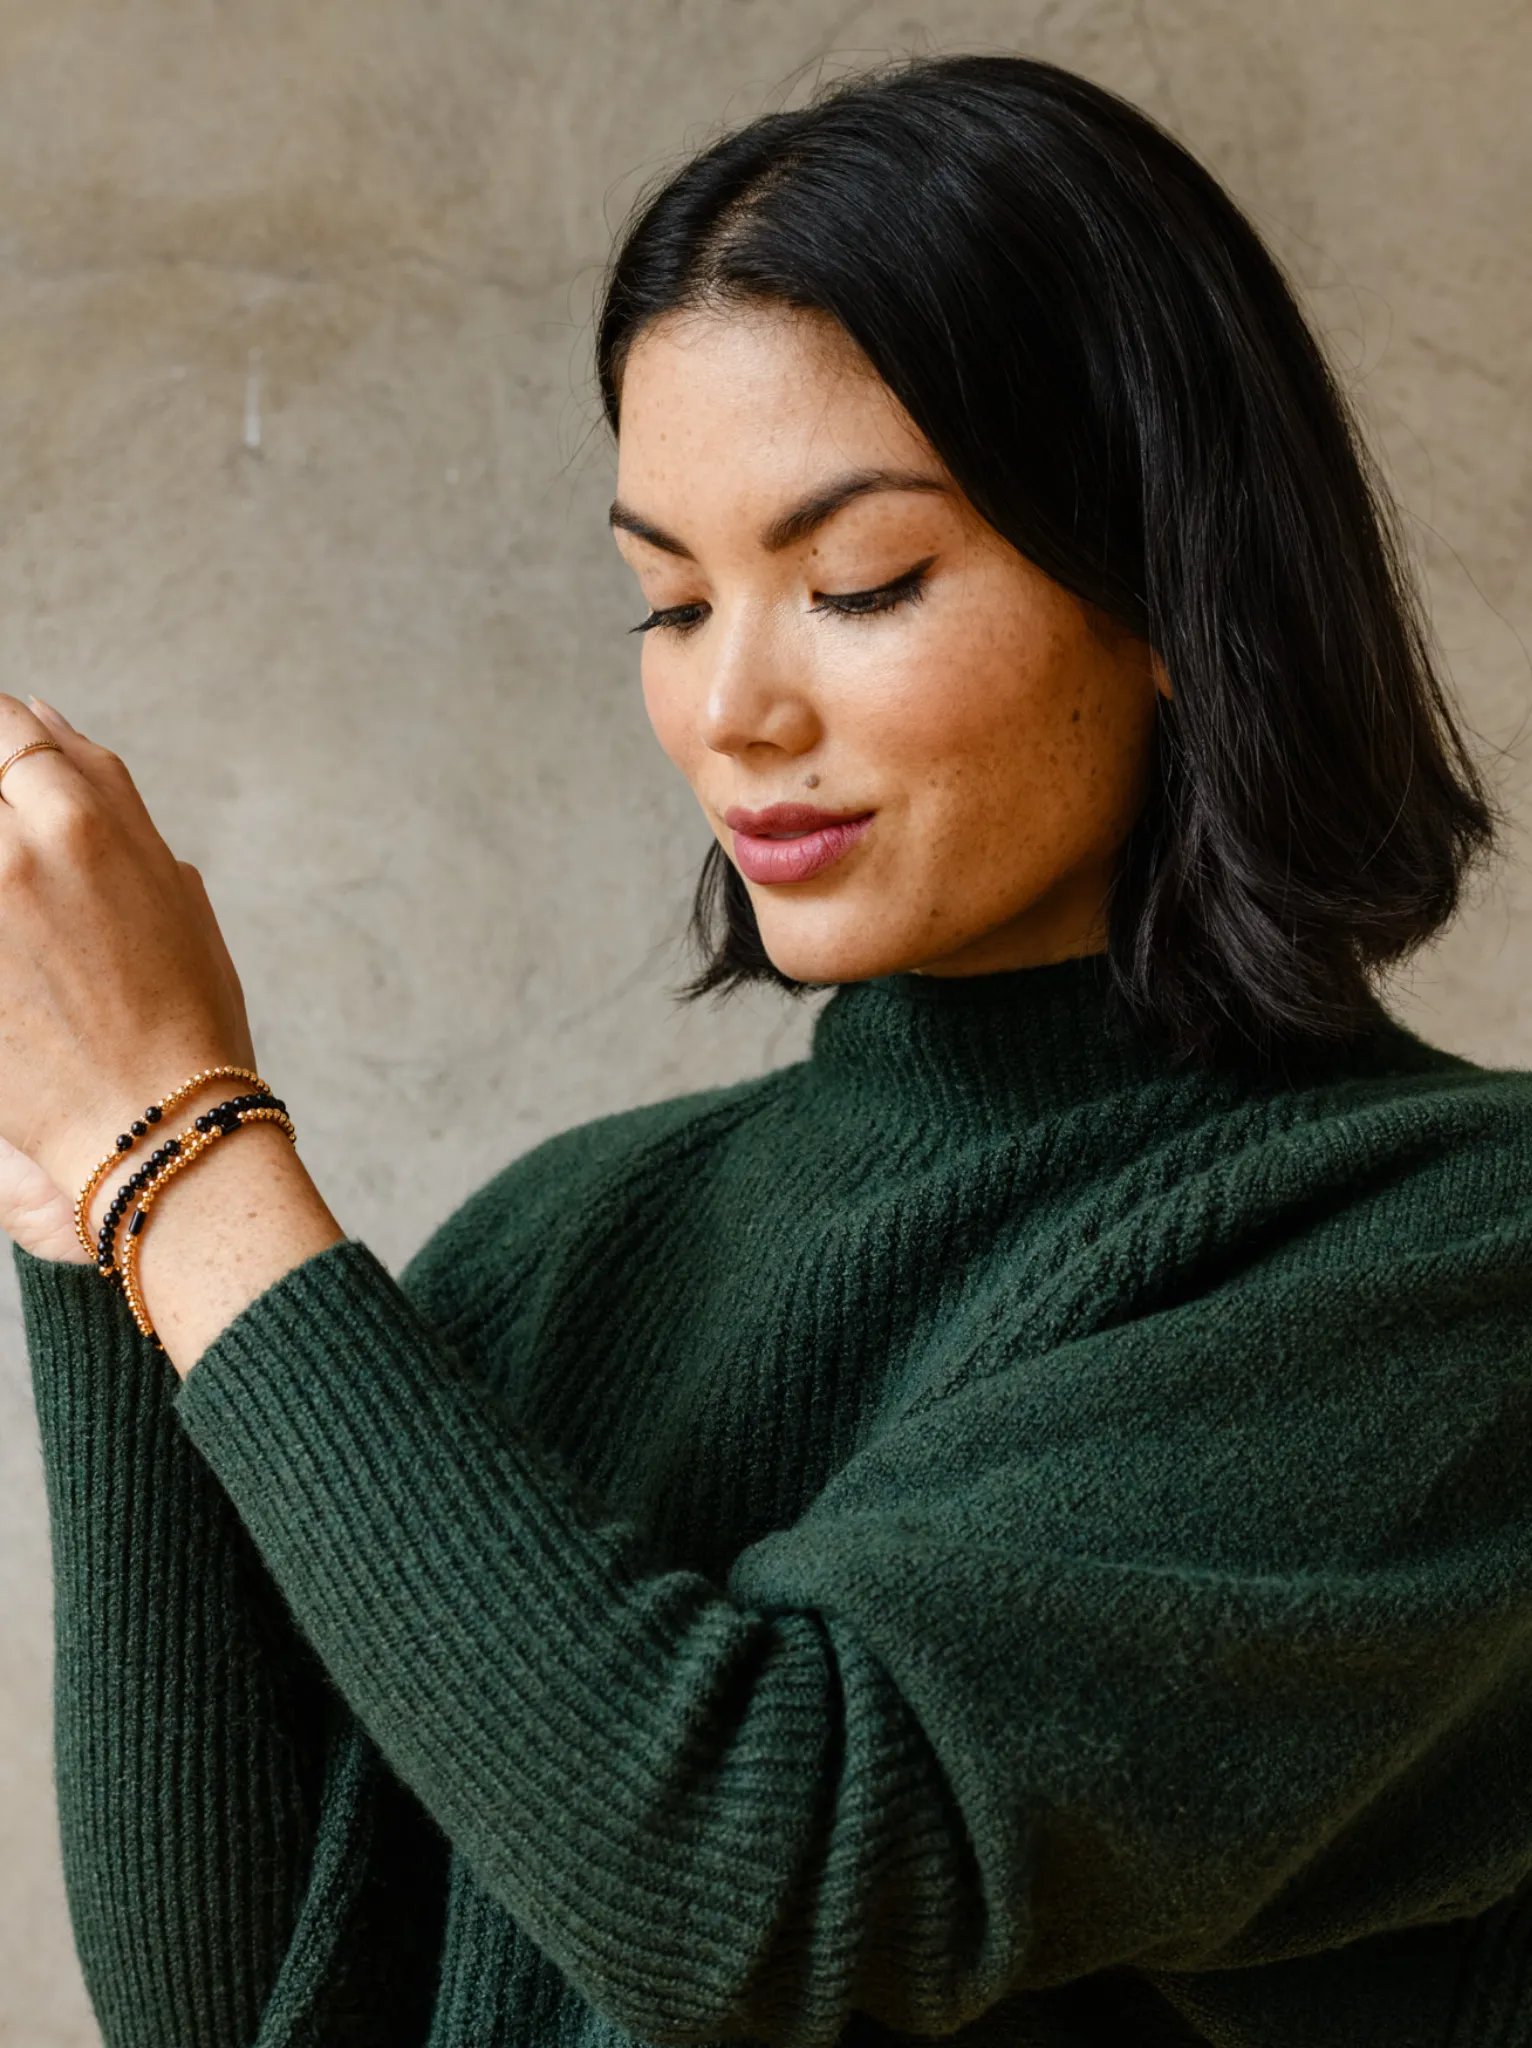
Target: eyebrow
796, 525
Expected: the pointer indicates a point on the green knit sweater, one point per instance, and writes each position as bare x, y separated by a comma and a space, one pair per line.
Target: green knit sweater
973, 1532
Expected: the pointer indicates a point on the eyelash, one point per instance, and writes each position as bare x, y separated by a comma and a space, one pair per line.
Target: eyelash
850, 604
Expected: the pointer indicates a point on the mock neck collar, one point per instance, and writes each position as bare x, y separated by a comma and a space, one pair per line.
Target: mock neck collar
977, 1051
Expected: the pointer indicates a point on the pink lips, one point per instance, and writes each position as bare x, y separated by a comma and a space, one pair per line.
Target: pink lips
811, 839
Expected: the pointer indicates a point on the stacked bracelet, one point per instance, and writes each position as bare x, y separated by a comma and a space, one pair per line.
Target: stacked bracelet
142, 1187
226, 1115
206, 1131
138, 1129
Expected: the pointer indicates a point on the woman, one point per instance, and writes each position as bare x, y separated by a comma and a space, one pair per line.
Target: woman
1015, 1525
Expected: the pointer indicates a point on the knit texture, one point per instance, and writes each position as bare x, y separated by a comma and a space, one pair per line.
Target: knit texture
975, 1533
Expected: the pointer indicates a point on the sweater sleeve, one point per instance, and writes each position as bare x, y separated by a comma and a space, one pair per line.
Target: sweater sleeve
182, 1724
202, 1769
1010, 1703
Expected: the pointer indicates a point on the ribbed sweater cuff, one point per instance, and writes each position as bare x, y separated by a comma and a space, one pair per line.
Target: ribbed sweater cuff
554, 1697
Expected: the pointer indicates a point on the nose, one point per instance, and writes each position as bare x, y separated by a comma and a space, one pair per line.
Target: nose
758, 693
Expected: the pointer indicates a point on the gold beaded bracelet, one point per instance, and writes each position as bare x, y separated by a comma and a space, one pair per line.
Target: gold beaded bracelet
138, 1129
193, 1144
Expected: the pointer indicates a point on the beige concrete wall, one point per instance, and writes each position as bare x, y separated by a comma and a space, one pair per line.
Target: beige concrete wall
301, 501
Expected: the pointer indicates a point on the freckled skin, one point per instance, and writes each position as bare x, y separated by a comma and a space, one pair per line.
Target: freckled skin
999, 727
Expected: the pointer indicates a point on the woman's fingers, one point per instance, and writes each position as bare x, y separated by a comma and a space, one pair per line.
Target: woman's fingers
51, 716
38, 774
105, 772
63, 785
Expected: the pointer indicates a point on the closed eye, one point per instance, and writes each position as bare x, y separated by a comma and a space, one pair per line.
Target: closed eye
852, 604
857, 604
679, 618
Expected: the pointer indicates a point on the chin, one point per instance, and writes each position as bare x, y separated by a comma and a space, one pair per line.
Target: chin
826, 956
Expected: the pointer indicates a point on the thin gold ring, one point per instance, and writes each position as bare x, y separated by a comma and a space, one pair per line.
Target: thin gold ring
31, 747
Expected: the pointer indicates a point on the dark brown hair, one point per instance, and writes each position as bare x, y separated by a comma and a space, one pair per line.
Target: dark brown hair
1098, 346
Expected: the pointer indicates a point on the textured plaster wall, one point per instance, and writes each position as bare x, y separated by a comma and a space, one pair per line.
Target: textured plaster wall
301, 498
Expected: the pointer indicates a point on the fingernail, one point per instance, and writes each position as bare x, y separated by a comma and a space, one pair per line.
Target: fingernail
48, 714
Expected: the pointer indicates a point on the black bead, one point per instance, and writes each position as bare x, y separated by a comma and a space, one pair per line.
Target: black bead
137, 1224
202, 1123
125, 1143
103, 1265
138, 1128
153, 1114
172, 1146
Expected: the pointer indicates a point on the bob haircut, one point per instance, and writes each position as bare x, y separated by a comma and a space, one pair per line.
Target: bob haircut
1099, 348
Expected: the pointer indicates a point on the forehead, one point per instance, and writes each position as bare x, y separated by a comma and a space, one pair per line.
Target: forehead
765, 391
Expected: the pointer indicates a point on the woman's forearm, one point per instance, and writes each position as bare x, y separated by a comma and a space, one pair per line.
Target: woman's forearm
188, 1713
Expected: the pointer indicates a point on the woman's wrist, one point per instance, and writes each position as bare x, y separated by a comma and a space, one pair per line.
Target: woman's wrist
143, 1146
230, 1221
243, 1215
94, 1136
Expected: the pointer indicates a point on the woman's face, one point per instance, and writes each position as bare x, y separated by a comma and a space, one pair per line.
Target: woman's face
833, 626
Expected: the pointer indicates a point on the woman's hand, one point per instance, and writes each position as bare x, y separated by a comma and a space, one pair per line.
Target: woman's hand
116, 986
39, 1216
115, 983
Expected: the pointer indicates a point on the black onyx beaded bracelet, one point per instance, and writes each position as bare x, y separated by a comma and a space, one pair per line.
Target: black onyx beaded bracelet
140, 1128
225, 1116
207, 1131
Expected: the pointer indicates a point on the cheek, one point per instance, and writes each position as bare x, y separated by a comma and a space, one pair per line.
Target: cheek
966, 699
1014, 728
667, 704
